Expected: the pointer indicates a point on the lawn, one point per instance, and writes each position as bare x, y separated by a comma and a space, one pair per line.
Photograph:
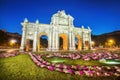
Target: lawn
21, 67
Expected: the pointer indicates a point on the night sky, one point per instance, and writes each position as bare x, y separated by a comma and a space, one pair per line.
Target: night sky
101, 15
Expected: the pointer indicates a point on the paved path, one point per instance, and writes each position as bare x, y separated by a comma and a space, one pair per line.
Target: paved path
8, 50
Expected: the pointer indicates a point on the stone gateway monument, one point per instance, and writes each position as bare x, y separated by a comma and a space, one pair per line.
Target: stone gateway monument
61, 33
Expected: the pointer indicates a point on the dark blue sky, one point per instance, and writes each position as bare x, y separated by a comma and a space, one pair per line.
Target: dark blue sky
101, 15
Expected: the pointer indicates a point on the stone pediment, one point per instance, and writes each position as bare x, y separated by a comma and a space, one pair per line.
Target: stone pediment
61, 14
61, 18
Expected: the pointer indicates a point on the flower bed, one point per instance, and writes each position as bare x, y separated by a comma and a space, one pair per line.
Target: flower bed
78, 69
90, 56
11, 54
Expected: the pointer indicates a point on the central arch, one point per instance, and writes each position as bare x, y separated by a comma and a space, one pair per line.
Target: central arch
42, 41
29, 45
63, 41
78, 42
87, 45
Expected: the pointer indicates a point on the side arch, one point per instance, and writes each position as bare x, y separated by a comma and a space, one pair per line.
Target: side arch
79, 42
64, 40
87, 45
38, 39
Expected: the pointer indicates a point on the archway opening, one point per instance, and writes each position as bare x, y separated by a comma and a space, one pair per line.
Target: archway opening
78, 42
87, 45
29, 45
63, 42
42, 42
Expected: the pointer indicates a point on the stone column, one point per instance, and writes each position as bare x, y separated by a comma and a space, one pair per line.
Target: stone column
90, 45
49, 41
57, 39
38, 42
23, 39
35, 41
53, 41
83, 45
73, 41
83, 41
70, 41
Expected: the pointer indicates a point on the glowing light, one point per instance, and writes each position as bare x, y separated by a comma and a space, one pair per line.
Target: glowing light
93, 42
109, 61
13, 41
111, 41
58, 61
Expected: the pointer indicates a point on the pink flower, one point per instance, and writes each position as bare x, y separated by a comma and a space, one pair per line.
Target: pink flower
59, 69
38, 63
97, 73
84, 68
76, 67
81, 72
65, 70
47, 63
61, 66
118, 70
117, 74
70, 71
67, 66
89, 73
42, 65
87, 59
106, 74
50, 68
99, 68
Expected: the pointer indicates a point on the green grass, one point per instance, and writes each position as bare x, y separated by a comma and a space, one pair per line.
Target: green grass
21, 67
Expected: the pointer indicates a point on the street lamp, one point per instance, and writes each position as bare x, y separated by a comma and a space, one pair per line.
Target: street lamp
12, 42
111, 42
93, 43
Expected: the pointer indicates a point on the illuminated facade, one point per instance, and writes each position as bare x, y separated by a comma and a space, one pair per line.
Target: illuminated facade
61, 26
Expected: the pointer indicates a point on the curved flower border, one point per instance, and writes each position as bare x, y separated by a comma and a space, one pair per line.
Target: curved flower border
78, 69
11, 54
90, 56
